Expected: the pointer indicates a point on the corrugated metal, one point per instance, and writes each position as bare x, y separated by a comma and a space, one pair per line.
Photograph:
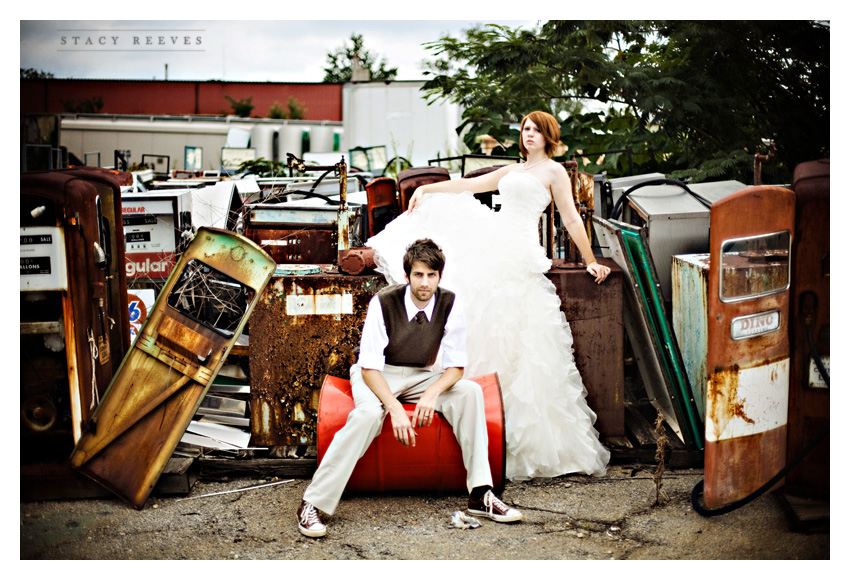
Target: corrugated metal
322, 101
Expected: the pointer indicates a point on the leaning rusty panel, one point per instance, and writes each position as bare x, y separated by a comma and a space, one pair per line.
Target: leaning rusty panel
747, 394
304, 327
169, 368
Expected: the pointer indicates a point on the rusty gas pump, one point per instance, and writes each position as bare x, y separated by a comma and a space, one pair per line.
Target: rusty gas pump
808, 409
74, 317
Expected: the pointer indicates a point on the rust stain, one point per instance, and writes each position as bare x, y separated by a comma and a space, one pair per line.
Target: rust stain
725, 402
293, 353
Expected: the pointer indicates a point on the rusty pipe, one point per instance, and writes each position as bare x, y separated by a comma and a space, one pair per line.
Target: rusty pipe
760, 158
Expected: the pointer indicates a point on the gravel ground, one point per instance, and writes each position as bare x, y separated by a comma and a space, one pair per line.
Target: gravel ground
570, 517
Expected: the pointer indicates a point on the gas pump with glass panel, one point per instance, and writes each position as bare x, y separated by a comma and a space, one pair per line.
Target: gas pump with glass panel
157, 227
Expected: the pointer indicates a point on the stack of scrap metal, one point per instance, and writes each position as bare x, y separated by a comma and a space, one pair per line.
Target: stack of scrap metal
222, 420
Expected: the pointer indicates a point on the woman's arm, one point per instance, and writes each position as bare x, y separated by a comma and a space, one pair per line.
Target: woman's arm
562, 193
480, 184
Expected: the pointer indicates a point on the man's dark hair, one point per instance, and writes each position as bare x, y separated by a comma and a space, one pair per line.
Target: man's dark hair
427, 252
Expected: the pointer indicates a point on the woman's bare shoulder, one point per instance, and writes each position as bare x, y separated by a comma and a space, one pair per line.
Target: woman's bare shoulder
551, 173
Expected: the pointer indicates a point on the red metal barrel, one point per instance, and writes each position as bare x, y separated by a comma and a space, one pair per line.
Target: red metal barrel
434, 464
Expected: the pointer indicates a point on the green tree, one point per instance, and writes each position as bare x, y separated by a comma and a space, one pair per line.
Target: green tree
31, 73
689, 99
339, 63
91, 105
295, 109
241, 107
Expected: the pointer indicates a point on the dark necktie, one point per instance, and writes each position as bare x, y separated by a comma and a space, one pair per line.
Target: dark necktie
420, 317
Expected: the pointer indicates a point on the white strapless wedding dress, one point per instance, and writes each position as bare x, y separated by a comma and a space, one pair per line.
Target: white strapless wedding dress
496, 265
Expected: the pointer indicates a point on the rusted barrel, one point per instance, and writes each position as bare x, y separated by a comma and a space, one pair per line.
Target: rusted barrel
434, 464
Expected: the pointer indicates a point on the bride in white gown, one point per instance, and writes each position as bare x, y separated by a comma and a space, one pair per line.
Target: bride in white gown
496, 266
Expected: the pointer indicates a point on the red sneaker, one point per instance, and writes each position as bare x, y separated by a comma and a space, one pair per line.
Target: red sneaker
309, 522
492, 507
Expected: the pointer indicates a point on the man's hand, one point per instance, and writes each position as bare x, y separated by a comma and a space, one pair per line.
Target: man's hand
423, 415
402, 426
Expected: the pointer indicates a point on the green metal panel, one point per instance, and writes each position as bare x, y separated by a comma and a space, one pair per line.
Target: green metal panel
649, 291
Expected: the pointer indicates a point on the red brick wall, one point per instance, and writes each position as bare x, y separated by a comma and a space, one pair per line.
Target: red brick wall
322, 102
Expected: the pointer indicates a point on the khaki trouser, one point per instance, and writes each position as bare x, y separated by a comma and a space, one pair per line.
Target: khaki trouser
462, 405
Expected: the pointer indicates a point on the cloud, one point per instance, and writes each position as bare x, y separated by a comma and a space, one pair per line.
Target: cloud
257, 51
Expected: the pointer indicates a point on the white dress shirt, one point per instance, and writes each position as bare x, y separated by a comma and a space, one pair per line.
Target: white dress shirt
374, 339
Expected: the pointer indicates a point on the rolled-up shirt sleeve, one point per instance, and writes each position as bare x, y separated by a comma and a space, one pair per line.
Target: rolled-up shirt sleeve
453, 344
374, 339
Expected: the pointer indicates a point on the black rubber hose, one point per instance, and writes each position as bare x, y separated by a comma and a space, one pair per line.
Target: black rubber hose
615, 212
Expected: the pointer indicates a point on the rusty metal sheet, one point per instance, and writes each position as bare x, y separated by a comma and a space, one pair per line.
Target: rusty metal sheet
294, 244
304, 327
747, 393
162, 380
595, 314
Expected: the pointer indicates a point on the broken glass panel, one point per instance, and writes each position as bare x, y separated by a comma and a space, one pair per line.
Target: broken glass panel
210, 297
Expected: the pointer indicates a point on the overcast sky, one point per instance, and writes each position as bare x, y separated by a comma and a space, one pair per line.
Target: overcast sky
255, 50
285, 40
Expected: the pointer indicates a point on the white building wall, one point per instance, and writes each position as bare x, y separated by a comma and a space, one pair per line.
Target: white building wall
397, 115
170, 136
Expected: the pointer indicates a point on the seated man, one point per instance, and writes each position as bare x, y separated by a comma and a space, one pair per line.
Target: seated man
405, 327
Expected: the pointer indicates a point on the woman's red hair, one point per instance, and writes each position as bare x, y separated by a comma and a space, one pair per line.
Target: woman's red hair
549, 128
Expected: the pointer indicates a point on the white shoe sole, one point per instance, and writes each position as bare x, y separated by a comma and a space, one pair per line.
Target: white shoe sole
312, 533
495, 517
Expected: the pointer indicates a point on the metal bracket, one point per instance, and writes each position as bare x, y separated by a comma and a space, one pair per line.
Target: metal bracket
198, 373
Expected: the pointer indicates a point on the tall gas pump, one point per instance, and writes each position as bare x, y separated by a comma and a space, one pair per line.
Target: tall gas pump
73, 306
808, 405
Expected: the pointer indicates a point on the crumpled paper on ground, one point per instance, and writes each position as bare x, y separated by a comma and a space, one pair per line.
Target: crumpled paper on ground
463, 521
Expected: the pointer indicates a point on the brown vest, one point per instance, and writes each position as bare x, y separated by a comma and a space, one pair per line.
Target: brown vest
413, 344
